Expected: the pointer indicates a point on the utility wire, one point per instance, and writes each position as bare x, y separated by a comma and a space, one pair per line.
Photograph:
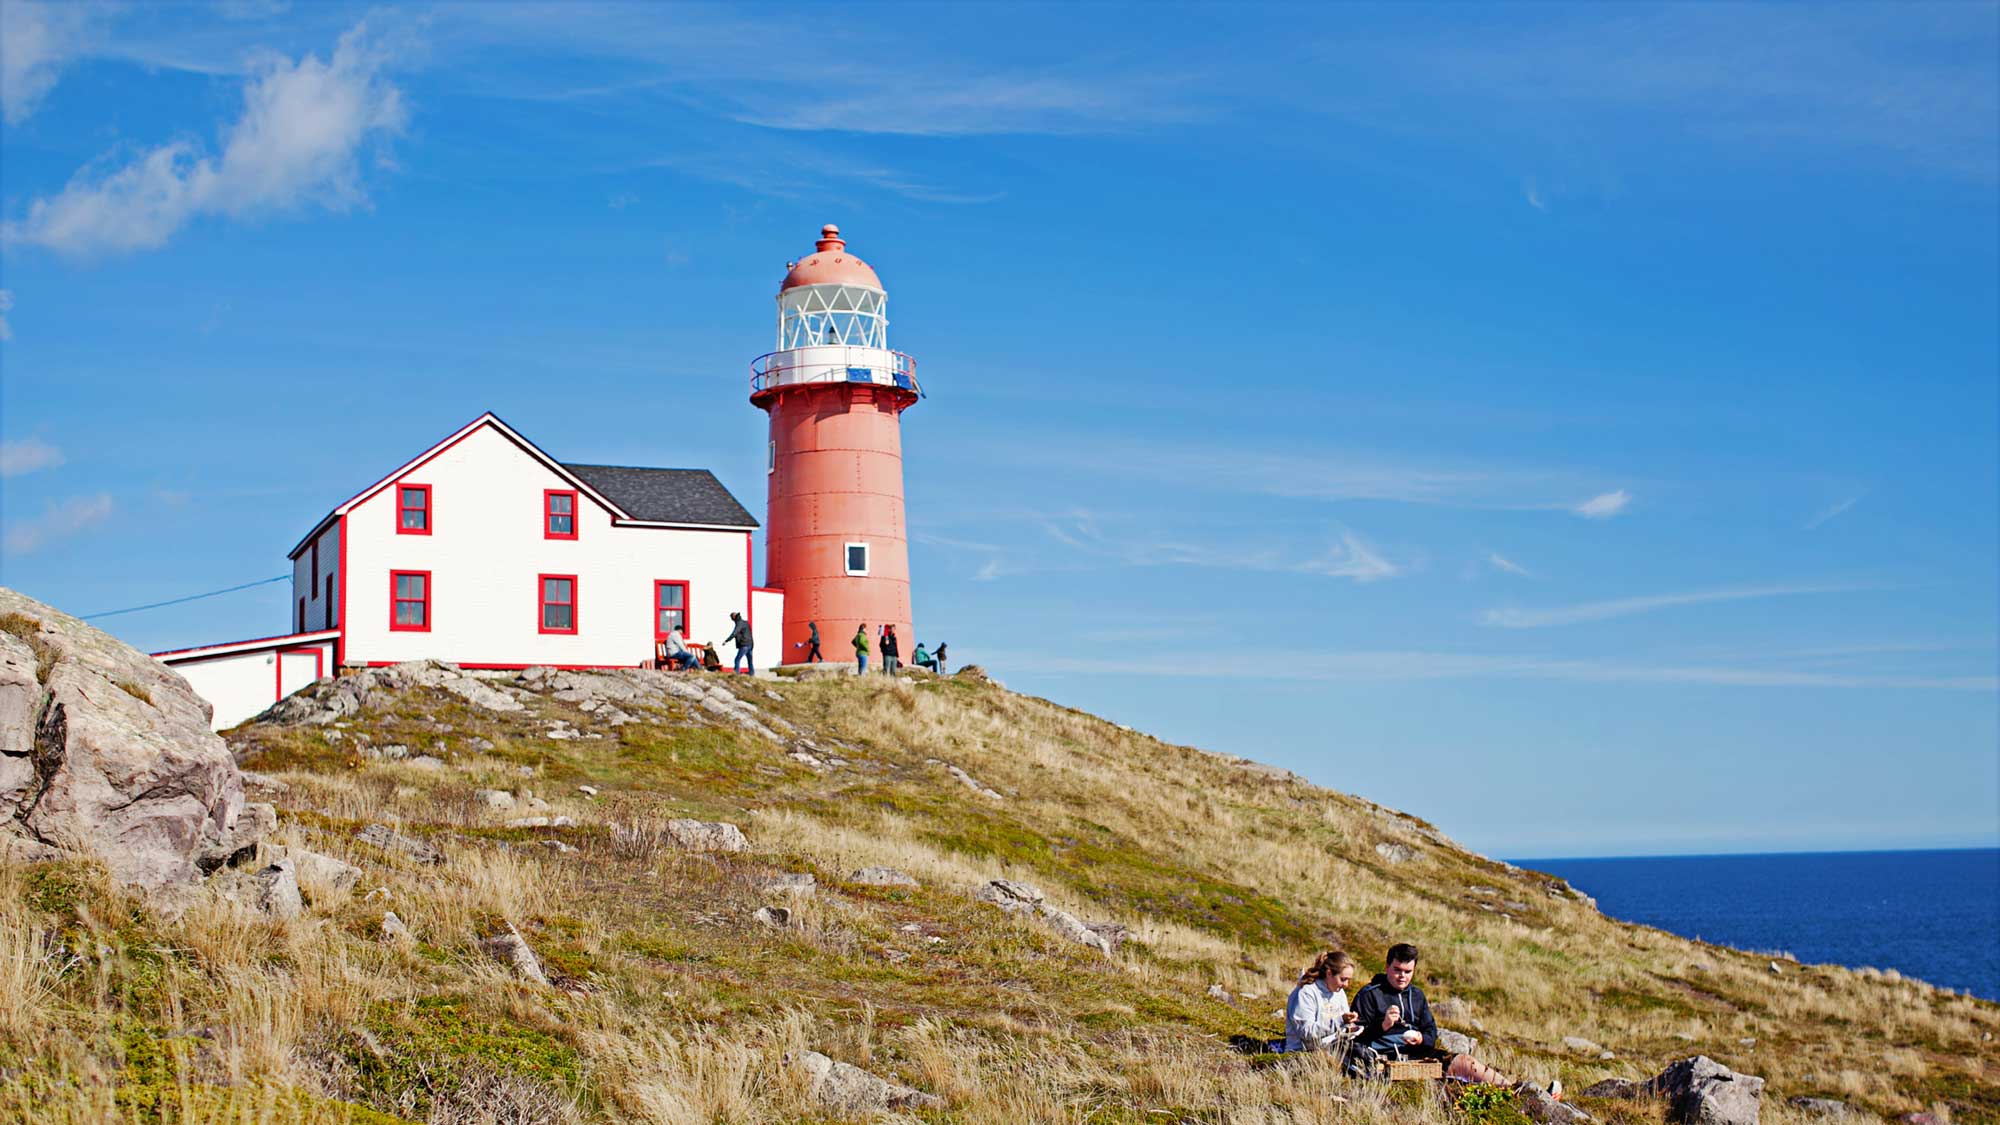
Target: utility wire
189, 598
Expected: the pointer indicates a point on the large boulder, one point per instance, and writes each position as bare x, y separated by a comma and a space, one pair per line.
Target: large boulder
106, 753
1701, 1091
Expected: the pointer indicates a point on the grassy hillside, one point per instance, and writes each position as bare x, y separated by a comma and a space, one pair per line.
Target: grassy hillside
670, 1003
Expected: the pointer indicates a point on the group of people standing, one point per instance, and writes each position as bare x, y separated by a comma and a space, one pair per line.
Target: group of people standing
887, 643
1389, 1017
675, 653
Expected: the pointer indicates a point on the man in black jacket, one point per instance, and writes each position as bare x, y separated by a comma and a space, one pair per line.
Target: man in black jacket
1396, 1019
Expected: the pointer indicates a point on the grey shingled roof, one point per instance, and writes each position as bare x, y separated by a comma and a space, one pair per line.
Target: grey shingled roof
667, 495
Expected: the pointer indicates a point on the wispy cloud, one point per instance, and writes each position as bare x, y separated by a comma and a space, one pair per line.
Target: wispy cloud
26, 455
58, 521
1505, 565
1585, 612
788, 171
1604, 505
37, 40
299, 141
1405, 664
6, 306
1832, 511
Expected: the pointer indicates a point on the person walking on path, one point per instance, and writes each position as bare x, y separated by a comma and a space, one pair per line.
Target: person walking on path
861, 649
745, 644
891, 649
813, 656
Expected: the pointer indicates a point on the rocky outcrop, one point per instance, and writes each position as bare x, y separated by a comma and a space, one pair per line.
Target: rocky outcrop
847, 1089
1698, 1091
1701, 1091
106, 753
390, 840
1026, 898
332, 700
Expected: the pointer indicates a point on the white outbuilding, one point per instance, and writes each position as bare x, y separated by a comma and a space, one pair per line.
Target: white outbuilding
486, 552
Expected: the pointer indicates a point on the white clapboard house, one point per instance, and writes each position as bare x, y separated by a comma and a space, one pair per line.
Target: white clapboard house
486, 552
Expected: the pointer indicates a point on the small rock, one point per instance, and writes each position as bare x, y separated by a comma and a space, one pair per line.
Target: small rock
524, 771
707, 836
277, 890
396, 752
253, 780
847, 1089
426, 762
393, 929
1775, 968
882, 877
776, 917
559, 847
324, 871
1825, 1107
587, 790
791, 883
541, 822
1457, 1042
494, 798
1920, 1118
1581, 1045
511, 950
1010, 896
1217, 992
1536, 1103
382, 836
1612, 1088
1395, 853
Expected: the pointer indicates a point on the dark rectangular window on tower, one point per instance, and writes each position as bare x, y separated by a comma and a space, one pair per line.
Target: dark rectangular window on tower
857, 558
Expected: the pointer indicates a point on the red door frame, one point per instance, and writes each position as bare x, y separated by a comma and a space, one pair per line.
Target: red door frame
319, 667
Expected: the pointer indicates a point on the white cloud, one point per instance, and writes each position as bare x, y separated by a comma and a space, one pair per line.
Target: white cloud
6, 306
1532, 192
36, 41
1581, 613
27, 455
58, 521
1502, 563
1603, 506
1352, 558
1832, 511
298, 142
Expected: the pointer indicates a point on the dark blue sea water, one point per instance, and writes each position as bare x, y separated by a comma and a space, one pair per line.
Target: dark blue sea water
1930, 915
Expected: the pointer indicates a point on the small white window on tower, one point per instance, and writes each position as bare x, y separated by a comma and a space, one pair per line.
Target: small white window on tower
857, 558
771, 459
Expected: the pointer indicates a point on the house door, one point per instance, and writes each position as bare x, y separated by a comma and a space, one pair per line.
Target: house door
296, 668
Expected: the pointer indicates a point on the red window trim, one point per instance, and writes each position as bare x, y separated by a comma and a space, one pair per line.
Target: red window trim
426, 626
429, 509
687, 608
541, 606
547, 515
319, 666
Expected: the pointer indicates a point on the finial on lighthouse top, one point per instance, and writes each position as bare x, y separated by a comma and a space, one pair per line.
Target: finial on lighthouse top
830, 264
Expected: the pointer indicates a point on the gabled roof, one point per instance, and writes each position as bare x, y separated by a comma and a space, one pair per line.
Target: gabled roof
700, 507
666, 495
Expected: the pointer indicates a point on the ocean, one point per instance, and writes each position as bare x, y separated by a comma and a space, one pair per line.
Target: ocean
1933, 915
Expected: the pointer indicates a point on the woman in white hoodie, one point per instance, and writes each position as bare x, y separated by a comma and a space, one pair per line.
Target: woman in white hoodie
1316, 1013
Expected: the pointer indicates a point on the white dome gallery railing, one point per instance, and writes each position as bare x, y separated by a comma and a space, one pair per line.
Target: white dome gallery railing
847, 365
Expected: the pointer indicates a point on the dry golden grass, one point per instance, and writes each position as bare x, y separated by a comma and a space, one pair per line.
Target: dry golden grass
673, 1006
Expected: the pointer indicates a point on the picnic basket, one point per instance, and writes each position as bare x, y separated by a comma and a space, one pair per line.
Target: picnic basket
1413, 1070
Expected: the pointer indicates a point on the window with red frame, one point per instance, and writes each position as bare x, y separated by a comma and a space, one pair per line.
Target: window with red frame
556, 603
410, 600
413, 509
670, 609
558, 514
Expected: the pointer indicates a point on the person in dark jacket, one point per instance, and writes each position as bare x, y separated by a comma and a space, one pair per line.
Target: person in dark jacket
1396, 1020
938, 656
891, 649
812, 644
745, 643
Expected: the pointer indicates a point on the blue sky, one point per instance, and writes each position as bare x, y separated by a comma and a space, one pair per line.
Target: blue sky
1576, 426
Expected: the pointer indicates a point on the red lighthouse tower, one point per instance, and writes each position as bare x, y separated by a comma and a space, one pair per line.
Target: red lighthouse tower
835, 541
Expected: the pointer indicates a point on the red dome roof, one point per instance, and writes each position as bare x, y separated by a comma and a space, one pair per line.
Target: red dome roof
830, 264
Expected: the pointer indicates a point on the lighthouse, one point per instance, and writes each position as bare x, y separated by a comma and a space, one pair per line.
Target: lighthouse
834, 536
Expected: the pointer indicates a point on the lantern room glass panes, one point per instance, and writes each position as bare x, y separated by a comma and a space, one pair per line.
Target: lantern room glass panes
832, 315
